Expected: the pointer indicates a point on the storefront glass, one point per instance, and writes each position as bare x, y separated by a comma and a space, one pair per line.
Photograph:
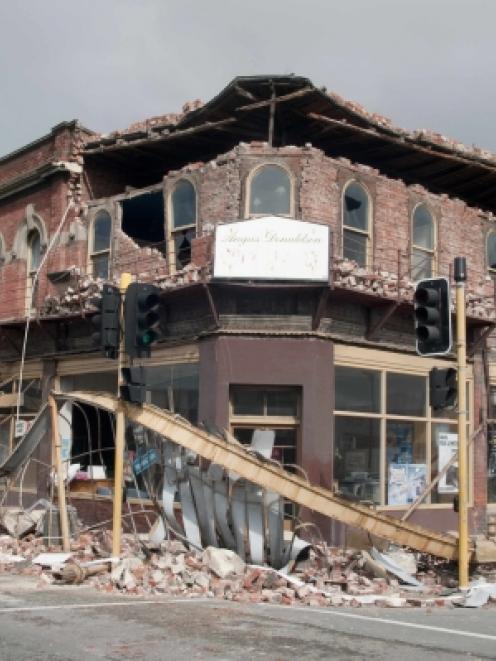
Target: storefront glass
388, 443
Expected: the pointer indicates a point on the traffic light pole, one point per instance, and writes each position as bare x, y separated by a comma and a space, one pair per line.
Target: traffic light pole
460, 278
119, 433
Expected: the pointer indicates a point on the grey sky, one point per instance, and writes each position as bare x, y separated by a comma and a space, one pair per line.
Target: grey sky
423, 63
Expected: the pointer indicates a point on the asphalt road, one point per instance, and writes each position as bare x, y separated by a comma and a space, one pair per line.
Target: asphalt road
76, 624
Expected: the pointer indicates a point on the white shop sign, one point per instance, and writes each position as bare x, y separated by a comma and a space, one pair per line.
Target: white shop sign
272, 248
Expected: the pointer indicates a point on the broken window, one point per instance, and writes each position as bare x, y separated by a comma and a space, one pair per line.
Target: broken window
92, 451
100, 245
491, 251
356, 224
274, 411
270, 192
183, 221
143, 219
423, 241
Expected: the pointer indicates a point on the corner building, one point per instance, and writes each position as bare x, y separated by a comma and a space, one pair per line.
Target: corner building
286, 228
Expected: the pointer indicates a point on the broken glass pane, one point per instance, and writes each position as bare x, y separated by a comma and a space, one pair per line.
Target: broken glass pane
356, 208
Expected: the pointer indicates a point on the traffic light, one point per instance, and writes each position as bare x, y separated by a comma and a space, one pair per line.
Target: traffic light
134, 388
142, 319
433, 317
443, 388
107, 321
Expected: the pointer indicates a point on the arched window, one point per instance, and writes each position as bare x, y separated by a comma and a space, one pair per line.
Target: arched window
356, 224
100, 245
491, 251
183, 221
33, 263
423, 243
270, 192
34, 251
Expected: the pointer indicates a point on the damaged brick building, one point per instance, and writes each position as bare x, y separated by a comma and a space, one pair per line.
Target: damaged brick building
329, 362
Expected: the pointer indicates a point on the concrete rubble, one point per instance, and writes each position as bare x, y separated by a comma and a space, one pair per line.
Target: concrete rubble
324, 576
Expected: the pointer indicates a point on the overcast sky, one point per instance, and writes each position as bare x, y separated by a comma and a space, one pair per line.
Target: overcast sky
423, 63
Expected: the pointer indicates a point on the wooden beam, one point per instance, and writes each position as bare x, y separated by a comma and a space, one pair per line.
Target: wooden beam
164, 136
235, 457
279, 99
379, 323
409, 142
248, 95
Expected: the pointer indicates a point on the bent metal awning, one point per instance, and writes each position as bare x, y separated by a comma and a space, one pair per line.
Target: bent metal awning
232, 456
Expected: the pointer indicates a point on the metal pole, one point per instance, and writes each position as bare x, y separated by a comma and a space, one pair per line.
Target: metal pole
57, 457
119, 433
460, 273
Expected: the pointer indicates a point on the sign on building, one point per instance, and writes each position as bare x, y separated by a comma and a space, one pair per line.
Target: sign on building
272, 248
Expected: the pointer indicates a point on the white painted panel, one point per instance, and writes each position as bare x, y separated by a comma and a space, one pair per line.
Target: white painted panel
272, 248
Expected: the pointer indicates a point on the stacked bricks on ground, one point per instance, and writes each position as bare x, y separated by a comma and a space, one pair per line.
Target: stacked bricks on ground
327, 577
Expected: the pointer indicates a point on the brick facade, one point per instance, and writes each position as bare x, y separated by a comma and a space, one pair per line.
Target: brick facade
222, 188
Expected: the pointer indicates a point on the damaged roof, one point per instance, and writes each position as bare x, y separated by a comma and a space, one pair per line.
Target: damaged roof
301, 113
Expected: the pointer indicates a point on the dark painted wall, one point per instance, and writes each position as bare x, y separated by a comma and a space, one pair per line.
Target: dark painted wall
303, 362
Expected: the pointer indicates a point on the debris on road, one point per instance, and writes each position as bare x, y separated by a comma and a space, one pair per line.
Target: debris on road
320, 576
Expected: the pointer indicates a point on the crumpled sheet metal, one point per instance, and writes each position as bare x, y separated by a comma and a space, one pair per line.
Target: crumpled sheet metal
222, 510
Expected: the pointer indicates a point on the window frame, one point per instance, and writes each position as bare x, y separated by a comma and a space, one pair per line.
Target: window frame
249, 181
31, 286
92, 253
171, 231
414, 247
491, 269
407, 365
347, 228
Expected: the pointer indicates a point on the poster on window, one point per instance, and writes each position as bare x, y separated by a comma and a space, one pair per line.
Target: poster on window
406, 482
447, 446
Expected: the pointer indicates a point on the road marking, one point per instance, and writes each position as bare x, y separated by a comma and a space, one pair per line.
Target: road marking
383, 620
100, 604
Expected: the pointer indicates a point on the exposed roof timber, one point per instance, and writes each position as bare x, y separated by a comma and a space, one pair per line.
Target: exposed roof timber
398, 140
278, 99
242, 92
146, 153
165, 135
460, 183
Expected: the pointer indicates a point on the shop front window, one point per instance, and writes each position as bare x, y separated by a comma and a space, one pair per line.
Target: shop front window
389, 444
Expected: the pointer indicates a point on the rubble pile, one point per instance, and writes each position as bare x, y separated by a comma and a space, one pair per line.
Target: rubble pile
326, 576
80, 296
348, 274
